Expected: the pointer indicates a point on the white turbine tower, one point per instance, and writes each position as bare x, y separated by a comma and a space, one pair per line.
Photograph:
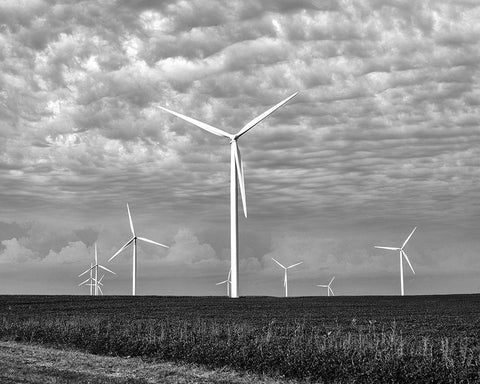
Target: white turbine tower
402, 255
329, 289
227, 282
285, 280
134, 241
236, 170
94, 268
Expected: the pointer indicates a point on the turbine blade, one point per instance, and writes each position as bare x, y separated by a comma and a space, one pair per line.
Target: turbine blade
331, 291
331, 281
321, 285
222, 282
229, 275
106, 269
294, 265
241, 177
96, 254
151, 241
100, 280
121, 249
131, 222
285, 279
88, 270
408, 238
264, 115
408, 261
100, 289
278, 263
84, 282
205, 126
389, 248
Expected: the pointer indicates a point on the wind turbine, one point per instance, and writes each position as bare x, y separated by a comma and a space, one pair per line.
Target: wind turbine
134, 241
236, 170
402, 255
227, 282
91, 283
329, 289
94, 268
285, 280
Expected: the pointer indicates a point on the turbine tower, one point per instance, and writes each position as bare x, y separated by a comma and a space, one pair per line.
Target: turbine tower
402, 255
329, 289
134, 241
94, 268
227, 282
285, 280
236, 171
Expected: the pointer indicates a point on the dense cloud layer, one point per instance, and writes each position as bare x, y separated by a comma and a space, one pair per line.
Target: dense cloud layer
384, 134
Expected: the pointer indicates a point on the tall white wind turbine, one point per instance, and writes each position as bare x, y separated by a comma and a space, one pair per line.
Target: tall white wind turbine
402, 255
285, 280
329, 288
227, 282
94, 268
236, 171
134, 241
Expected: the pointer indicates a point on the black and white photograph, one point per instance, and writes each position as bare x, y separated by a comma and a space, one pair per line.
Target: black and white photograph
271, 191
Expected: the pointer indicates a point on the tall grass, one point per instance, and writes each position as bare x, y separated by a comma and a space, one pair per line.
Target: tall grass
357, 353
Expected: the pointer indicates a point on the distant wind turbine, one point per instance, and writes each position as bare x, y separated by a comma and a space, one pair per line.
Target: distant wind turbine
285, 280
236, 170
94, 268
402, 255
91, 283
227, 282
134, 241
329, 289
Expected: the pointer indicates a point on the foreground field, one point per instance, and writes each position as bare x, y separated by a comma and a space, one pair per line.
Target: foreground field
25, 363
341, 339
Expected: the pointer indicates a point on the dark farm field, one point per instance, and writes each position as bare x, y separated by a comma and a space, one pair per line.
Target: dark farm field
337, 339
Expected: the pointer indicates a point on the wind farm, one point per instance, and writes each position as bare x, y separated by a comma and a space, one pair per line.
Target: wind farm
131, 133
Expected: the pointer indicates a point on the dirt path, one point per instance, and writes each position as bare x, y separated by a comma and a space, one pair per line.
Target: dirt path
26, 363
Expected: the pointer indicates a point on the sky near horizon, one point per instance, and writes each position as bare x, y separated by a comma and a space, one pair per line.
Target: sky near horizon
383, 136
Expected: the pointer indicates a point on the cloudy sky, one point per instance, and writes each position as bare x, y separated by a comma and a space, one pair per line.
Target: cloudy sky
383, 136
